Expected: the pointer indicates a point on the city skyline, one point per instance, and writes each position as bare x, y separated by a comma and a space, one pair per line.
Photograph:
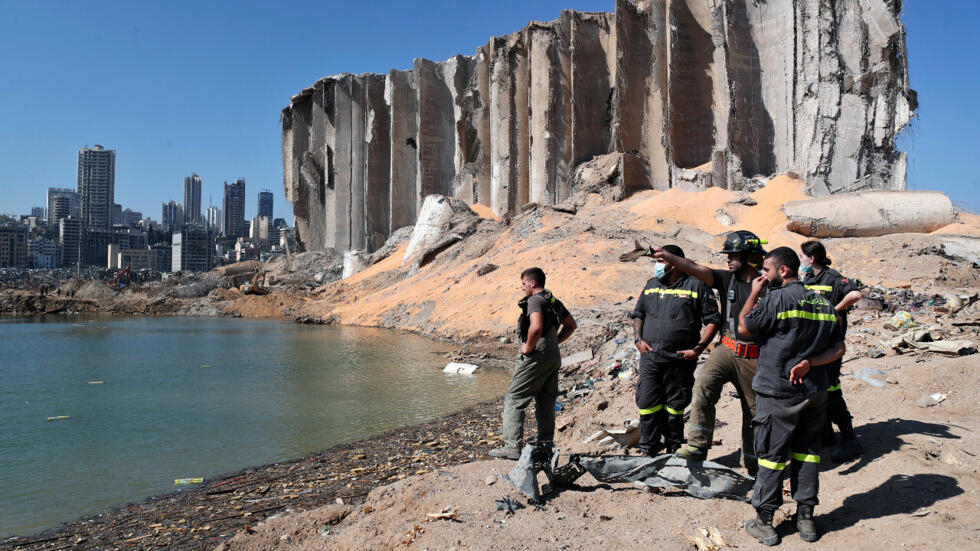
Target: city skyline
221, 119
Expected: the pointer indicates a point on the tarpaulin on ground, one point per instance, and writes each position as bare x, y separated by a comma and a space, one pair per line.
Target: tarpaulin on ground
701, 479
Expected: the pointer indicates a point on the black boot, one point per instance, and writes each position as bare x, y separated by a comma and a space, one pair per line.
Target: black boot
760, 528
805, 524
849, 448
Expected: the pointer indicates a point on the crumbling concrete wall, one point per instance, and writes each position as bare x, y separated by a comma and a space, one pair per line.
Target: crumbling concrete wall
690, 93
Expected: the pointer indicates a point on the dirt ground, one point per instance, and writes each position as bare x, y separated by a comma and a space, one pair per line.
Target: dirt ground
915, 487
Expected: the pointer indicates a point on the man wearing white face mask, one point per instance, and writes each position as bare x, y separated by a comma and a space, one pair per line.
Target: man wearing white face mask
674, 320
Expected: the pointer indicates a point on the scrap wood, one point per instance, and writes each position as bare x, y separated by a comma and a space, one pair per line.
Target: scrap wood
446, 514
708, 539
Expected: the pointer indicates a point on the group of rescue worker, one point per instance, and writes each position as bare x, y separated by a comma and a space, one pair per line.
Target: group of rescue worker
781, 317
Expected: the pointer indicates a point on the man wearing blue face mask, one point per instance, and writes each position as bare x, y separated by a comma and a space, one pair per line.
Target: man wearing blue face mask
674, 321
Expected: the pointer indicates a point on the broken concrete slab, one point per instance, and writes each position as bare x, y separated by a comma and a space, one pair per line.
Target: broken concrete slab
870, 213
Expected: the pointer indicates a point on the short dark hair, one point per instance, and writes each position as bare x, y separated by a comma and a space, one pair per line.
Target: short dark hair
674, 250
785, 256
816, 249
534, 274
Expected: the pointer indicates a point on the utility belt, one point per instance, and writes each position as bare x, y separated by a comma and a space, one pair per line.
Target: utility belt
741, 349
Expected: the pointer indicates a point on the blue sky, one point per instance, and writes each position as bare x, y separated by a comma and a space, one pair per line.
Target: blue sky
179, 87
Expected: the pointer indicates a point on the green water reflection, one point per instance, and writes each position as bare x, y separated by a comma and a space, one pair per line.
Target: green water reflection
271, 391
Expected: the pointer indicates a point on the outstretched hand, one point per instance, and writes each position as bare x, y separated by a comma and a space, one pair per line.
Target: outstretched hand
799, 371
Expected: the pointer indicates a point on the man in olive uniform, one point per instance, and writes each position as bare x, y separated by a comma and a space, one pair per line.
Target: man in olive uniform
798, 336
544, 323
673, 322
842, 292
736, 360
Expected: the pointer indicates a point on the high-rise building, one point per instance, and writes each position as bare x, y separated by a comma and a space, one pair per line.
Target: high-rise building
96, 186
70, 241
13, 246
37, 212
265, 203
172, 216
95, 243
233, 207
117, 214
67, 200
192, 199
42, 254
59, 207
214, 221
132, 217
259, 231
163, 256
192, 250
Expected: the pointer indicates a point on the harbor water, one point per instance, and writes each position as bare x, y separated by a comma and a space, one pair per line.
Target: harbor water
137, 403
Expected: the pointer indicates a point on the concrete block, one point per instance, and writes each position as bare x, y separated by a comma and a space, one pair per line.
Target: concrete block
870, 213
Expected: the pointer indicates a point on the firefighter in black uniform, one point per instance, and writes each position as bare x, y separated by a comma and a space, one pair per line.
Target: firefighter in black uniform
798, 336
733, 362
674, 321
842, 292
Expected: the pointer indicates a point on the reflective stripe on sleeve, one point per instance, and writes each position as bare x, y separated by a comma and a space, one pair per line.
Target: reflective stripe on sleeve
648, 411
771, 465
815, 316
827, 288
673, 411
700, 428
809, 458
680, 292
833, 388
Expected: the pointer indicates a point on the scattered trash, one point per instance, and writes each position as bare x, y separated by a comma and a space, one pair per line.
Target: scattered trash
620, 341
185, 481
339, 501
59, 418
625, 437
625, 375
876, 353
558, 406
504, 340
615, 369
462, 369
490, 480
583, 392
445, 514
708, 540
931, 400
867, 375
509, 505
901, 320
95, 382
921, 512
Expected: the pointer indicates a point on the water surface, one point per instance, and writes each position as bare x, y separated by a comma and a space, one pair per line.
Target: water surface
195, 397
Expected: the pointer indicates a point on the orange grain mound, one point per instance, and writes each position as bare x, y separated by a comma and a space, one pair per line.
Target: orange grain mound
484, 212
693, 209
968, 224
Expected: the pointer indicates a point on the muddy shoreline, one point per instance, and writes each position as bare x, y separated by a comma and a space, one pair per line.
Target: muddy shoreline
206, 515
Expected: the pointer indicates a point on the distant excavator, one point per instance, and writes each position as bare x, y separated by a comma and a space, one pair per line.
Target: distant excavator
256, 286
